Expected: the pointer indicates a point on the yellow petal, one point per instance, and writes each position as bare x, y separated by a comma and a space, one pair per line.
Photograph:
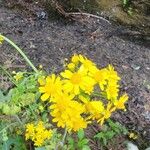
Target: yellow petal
67, 74
44, 97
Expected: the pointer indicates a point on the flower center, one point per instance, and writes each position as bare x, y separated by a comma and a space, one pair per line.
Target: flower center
76, 78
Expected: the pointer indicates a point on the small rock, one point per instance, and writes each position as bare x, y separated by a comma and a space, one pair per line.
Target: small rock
131, 146
135, 67
41, 15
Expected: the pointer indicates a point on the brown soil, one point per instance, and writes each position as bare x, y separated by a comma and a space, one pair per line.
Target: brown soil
49, 42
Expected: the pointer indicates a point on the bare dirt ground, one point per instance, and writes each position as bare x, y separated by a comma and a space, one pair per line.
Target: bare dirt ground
49, 42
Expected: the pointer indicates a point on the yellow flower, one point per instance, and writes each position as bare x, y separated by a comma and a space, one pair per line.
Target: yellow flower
86, 63
1, 39
29, 130
112, 91
18, 76
40, 127
52, 87
95, 108
106, 113
67, 113
37, 133
100, 76
133, 136
38, 141
112, 74
119, 104
73, 82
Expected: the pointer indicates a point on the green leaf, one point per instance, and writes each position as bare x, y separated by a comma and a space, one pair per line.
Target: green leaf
71, 141
5, 98
104, 141
110, 134
14, 143
81, 134
86, 147
99, 135
83, 142
125, 2
40, 148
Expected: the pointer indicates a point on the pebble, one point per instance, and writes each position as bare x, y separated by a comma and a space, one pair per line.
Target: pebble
131, 146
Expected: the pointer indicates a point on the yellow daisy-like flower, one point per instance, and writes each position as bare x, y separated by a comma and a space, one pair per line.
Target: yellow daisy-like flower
100, 76
112, 90
67, 113
74, 81
86, 63
1, 39
52, 87
106, 113
119, 104
95, 108
113, 76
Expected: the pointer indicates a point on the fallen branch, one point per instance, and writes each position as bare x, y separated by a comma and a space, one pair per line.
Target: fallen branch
71, 15
88, 15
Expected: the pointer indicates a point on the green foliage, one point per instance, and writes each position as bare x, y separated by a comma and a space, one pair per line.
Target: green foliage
80, 144
20, 96
127, 7
8, 141
125, 2
111, 130
13, 143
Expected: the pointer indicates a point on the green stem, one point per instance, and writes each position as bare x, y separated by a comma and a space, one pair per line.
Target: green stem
21, 52
64, 137
61, 144
18, 119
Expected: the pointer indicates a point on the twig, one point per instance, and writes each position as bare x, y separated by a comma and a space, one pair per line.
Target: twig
89, 15
60, 10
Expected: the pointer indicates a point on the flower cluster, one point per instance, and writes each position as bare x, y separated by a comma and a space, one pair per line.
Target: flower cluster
37, 133
82, 93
